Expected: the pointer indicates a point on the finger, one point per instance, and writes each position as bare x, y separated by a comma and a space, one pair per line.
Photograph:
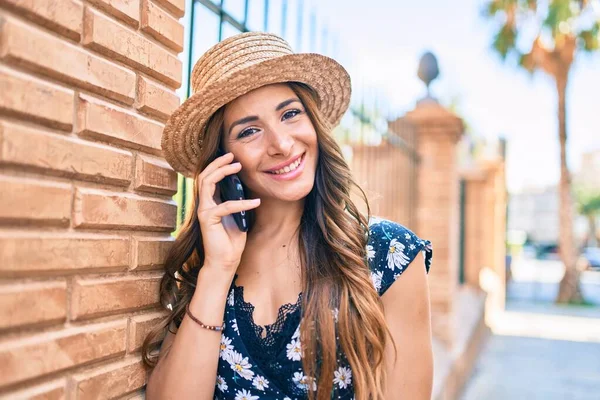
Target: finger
209, 183
220, 173
214, 164
234, 206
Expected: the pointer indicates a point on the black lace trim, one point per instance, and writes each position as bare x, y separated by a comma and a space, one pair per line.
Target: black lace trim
266, 343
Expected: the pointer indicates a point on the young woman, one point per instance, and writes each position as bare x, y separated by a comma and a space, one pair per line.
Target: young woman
295, 307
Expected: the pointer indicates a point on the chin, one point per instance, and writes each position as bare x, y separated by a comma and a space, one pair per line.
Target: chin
291, 193
294, 194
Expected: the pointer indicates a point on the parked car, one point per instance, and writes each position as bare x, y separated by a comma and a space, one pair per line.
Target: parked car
547, 251
590, 258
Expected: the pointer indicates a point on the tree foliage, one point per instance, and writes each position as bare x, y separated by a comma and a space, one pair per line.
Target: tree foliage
549, 29
588, 201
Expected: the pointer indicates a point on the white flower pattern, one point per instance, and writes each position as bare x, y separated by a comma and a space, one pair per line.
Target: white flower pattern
260, 382
294, 350
370, 252
230, 298
225, 347
390, 249
343, 377
245, 395
240, 364
396, 257
304, 382
376, 277
296, 333
221, 384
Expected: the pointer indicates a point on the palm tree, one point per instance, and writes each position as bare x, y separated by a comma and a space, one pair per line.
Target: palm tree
561, 30
588, 205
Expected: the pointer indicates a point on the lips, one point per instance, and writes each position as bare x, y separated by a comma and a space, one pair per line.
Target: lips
292, 163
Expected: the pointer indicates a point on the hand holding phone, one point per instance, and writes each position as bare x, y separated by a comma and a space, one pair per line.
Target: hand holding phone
231, 189
223, 242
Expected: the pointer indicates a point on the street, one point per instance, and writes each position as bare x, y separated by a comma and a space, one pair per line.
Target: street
539, 350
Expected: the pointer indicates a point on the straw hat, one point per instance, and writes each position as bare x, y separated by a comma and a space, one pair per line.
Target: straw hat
236, 66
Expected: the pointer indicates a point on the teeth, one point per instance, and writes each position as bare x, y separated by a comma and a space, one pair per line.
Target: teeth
289, 168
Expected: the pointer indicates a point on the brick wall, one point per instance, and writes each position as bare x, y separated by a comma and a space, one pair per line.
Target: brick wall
388, 176
86, 205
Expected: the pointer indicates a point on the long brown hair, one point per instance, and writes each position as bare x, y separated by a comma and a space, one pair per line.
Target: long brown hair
335, 274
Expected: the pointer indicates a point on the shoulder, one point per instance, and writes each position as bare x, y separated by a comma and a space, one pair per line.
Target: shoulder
390, 250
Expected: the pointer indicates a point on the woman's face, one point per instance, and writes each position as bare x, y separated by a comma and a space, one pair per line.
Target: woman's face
271, 135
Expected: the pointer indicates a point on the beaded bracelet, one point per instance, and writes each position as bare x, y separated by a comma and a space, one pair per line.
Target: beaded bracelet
196, 320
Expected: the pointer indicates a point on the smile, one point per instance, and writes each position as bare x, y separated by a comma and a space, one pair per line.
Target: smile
289, 167
290, 171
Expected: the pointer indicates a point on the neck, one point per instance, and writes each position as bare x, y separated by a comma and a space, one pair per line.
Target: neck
276, 221
273, 237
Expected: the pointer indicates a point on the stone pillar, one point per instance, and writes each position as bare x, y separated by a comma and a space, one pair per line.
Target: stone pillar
474, 219
86, 209
438, 131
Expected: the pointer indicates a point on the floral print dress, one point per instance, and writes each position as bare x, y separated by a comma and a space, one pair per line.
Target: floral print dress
248, 370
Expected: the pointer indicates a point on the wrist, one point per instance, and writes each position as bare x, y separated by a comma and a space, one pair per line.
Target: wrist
216, 275
210, 295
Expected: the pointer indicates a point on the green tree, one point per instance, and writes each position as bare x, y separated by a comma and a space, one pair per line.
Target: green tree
588, 204
548, 36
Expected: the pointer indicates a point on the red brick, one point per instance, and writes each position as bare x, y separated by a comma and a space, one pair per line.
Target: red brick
110, 381
43, 53
62, 16
155, 99
154, 176
127, 11
101, 296
65, 156
25, 201
101, 209
44, 353
162, 26
102, 121
29, 303
35, 100
175, 7
54, 390
113, 40
139, 327
54, 253
150, 253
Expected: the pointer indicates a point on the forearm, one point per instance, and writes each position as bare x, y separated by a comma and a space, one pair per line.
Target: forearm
189, 368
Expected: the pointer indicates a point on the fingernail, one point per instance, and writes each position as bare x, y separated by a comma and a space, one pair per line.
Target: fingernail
256, 200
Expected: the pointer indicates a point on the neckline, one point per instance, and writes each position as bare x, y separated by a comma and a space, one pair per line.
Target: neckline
236, 334
239, 291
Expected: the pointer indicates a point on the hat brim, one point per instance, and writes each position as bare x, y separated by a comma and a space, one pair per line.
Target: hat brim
326, 76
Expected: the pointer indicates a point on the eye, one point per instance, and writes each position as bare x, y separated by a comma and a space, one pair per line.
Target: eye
246, 132
291, 114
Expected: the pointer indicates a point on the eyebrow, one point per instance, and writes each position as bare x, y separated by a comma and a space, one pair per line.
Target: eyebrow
252, 118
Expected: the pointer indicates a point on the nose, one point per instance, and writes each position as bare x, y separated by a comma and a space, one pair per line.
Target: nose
280, 142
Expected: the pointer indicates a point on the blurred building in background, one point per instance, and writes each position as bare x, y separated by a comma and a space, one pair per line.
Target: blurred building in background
534, 211
589, 173
90, 207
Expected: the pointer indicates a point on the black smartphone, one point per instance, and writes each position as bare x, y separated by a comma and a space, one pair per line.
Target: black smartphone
231, 189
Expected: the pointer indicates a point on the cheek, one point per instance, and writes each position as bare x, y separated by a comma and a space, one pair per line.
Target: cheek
308, 134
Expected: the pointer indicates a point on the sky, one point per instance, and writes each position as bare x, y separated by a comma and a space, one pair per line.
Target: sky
381, 42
